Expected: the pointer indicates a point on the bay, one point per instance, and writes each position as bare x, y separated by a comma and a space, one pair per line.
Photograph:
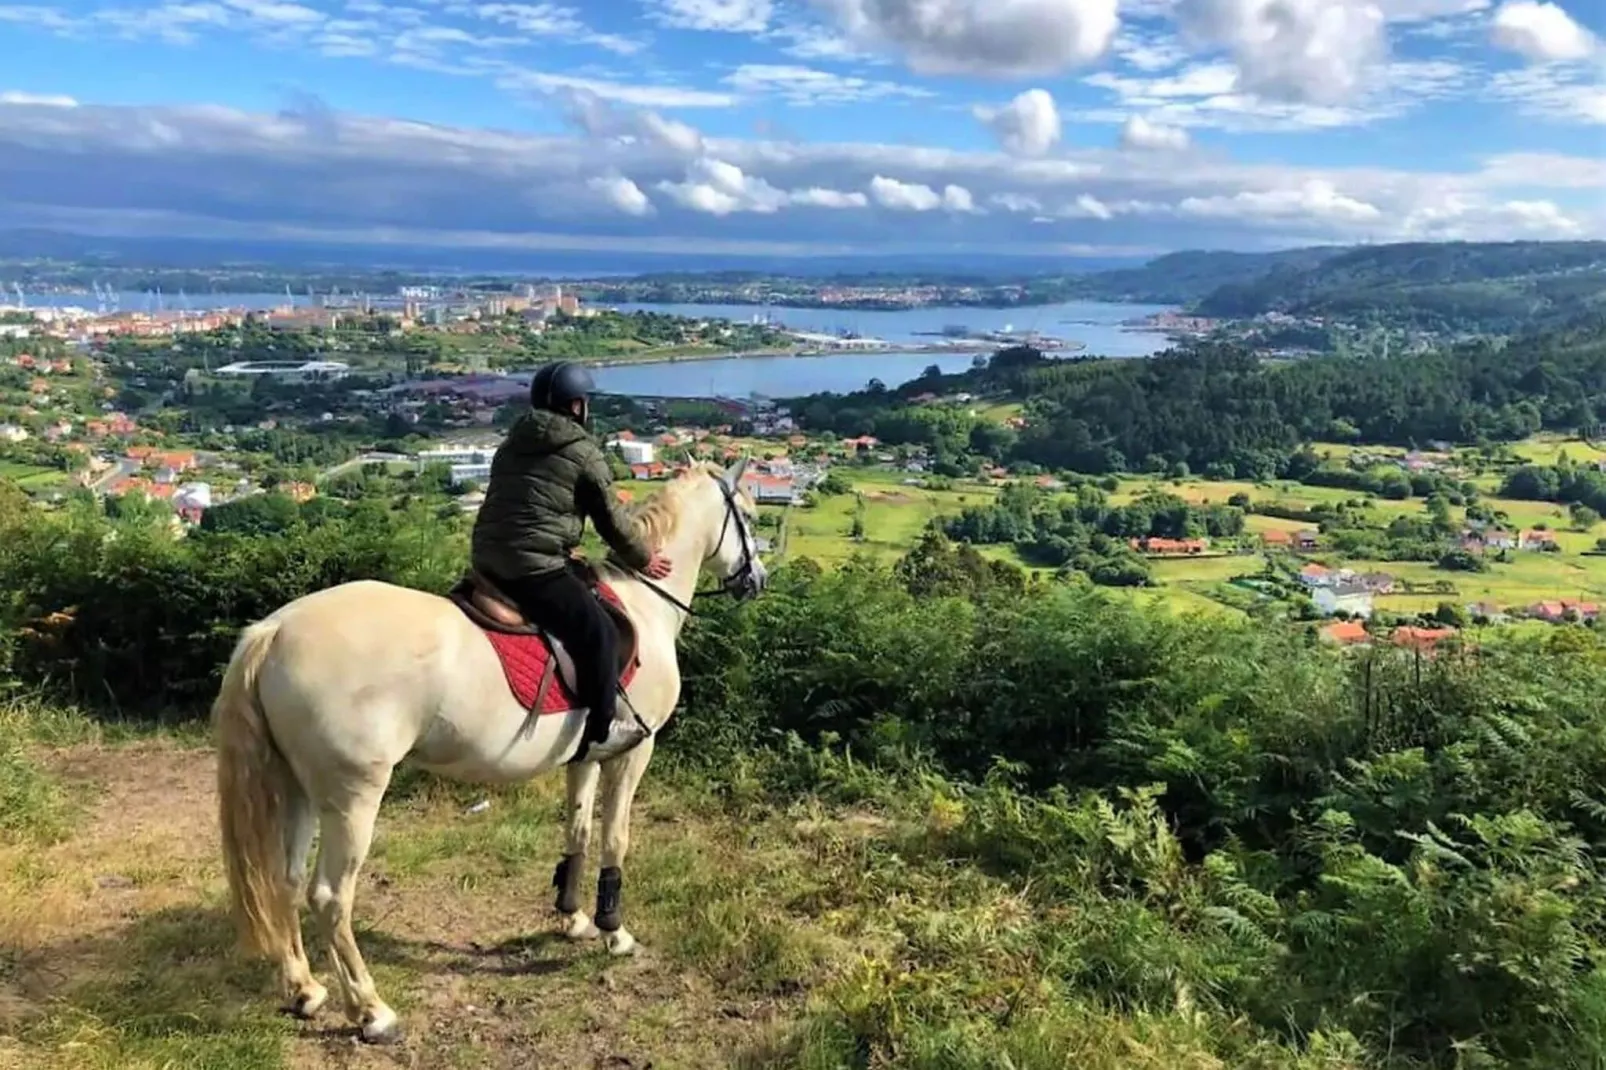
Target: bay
1096, 324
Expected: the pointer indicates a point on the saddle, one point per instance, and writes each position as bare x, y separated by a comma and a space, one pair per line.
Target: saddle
499, 616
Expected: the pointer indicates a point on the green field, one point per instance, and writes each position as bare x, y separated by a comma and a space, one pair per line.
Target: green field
895, 513
32, 476
894, 516
1547, 449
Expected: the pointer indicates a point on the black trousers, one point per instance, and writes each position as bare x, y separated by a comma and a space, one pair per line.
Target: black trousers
562, 604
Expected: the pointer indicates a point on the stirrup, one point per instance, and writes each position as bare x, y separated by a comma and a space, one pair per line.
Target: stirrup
622, 737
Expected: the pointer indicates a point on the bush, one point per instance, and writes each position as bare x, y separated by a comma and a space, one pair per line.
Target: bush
1400, 855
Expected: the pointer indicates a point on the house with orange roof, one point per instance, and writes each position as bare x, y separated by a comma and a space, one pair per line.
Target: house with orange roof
1425, 640
1564, 609
1315, 575
1346, 633
1170, 547
769, 490
136, 484
1538, 540
1277, 538
1583, 610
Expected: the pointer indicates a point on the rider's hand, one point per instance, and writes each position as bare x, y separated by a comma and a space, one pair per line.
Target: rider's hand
659, 566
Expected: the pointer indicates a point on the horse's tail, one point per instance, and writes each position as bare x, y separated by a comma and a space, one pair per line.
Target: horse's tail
254, 783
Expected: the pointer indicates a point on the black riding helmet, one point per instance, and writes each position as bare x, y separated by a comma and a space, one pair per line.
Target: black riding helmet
558, 384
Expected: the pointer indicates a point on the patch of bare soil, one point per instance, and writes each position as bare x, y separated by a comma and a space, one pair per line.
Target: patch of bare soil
139, 888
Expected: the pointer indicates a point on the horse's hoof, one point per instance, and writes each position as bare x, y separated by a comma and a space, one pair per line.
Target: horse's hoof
579, 927
620, 942
309, 1001
382, 1029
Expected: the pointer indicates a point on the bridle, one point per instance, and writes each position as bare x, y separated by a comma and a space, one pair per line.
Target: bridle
739, 580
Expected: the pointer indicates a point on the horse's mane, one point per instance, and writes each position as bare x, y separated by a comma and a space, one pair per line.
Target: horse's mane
657, 517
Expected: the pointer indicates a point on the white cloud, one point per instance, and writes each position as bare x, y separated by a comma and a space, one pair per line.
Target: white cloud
316, 173
730, 16
1425, 10
1461, 218
1208, 94
957, 199
992, 38
903, 196
1516, 169
337, 45
1314, 199
1087, 207
720, 188
1029, 125
553, 20
1149, 53
36, 100
1305, 51
816, 197
806, 86
1541, 32
1139, 133
1552, 92
276, 11
1015, 202
623, 194
639, 94
600, 119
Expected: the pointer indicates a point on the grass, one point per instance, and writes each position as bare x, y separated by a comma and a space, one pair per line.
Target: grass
1547, 449
896, 512
32, 476
894, 516
779, 931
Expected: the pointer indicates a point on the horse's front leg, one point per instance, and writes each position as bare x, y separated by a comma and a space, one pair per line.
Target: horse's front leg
620, 778
580, 793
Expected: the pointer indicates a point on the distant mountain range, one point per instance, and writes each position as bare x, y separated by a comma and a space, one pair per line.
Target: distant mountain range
287, 257
1480, 287
1473, 287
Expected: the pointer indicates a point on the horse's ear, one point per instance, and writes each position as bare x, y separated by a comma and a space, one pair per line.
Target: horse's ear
733, 475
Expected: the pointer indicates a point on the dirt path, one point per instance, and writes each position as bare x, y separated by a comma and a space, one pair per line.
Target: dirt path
115, 949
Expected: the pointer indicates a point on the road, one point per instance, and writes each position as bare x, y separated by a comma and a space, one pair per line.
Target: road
358, 462
121, 469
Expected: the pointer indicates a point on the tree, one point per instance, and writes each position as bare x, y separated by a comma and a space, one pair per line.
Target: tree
1583, 517
833, 484
1451, 614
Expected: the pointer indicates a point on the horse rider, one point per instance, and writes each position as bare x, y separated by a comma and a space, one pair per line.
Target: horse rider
547, 477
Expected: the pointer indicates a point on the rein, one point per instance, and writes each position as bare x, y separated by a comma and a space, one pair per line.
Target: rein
732, 582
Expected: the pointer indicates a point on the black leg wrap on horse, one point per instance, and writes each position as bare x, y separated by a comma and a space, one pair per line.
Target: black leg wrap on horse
566, 879
610, 892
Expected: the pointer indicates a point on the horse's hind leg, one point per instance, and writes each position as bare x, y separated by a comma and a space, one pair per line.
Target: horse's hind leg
306, 995
580, 795
620, 778
347, 826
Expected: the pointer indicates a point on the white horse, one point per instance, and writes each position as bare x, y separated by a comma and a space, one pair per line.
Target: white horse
323, 698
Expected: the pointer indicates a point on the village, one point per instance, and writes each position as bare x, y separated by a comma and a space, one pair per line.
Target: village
78, 413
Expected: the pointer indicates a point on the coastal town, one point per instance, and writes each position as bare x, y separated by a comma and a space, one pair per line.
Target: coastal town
193, 411
465, 315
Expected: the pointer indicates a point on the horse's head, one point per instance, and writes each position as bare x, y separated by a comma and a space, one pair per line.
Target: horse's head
735, 554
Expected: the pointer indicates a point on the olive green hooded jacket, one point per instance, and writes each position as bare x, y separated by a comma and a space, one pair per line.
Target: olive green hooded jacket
546, 478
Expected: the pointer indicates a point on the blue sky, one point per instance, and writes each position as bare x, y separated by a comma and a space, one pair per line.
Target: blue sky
1090, 127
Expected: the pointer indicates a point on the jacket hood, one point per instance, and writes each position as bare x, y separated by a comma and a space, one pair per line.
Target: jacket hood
552, 429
